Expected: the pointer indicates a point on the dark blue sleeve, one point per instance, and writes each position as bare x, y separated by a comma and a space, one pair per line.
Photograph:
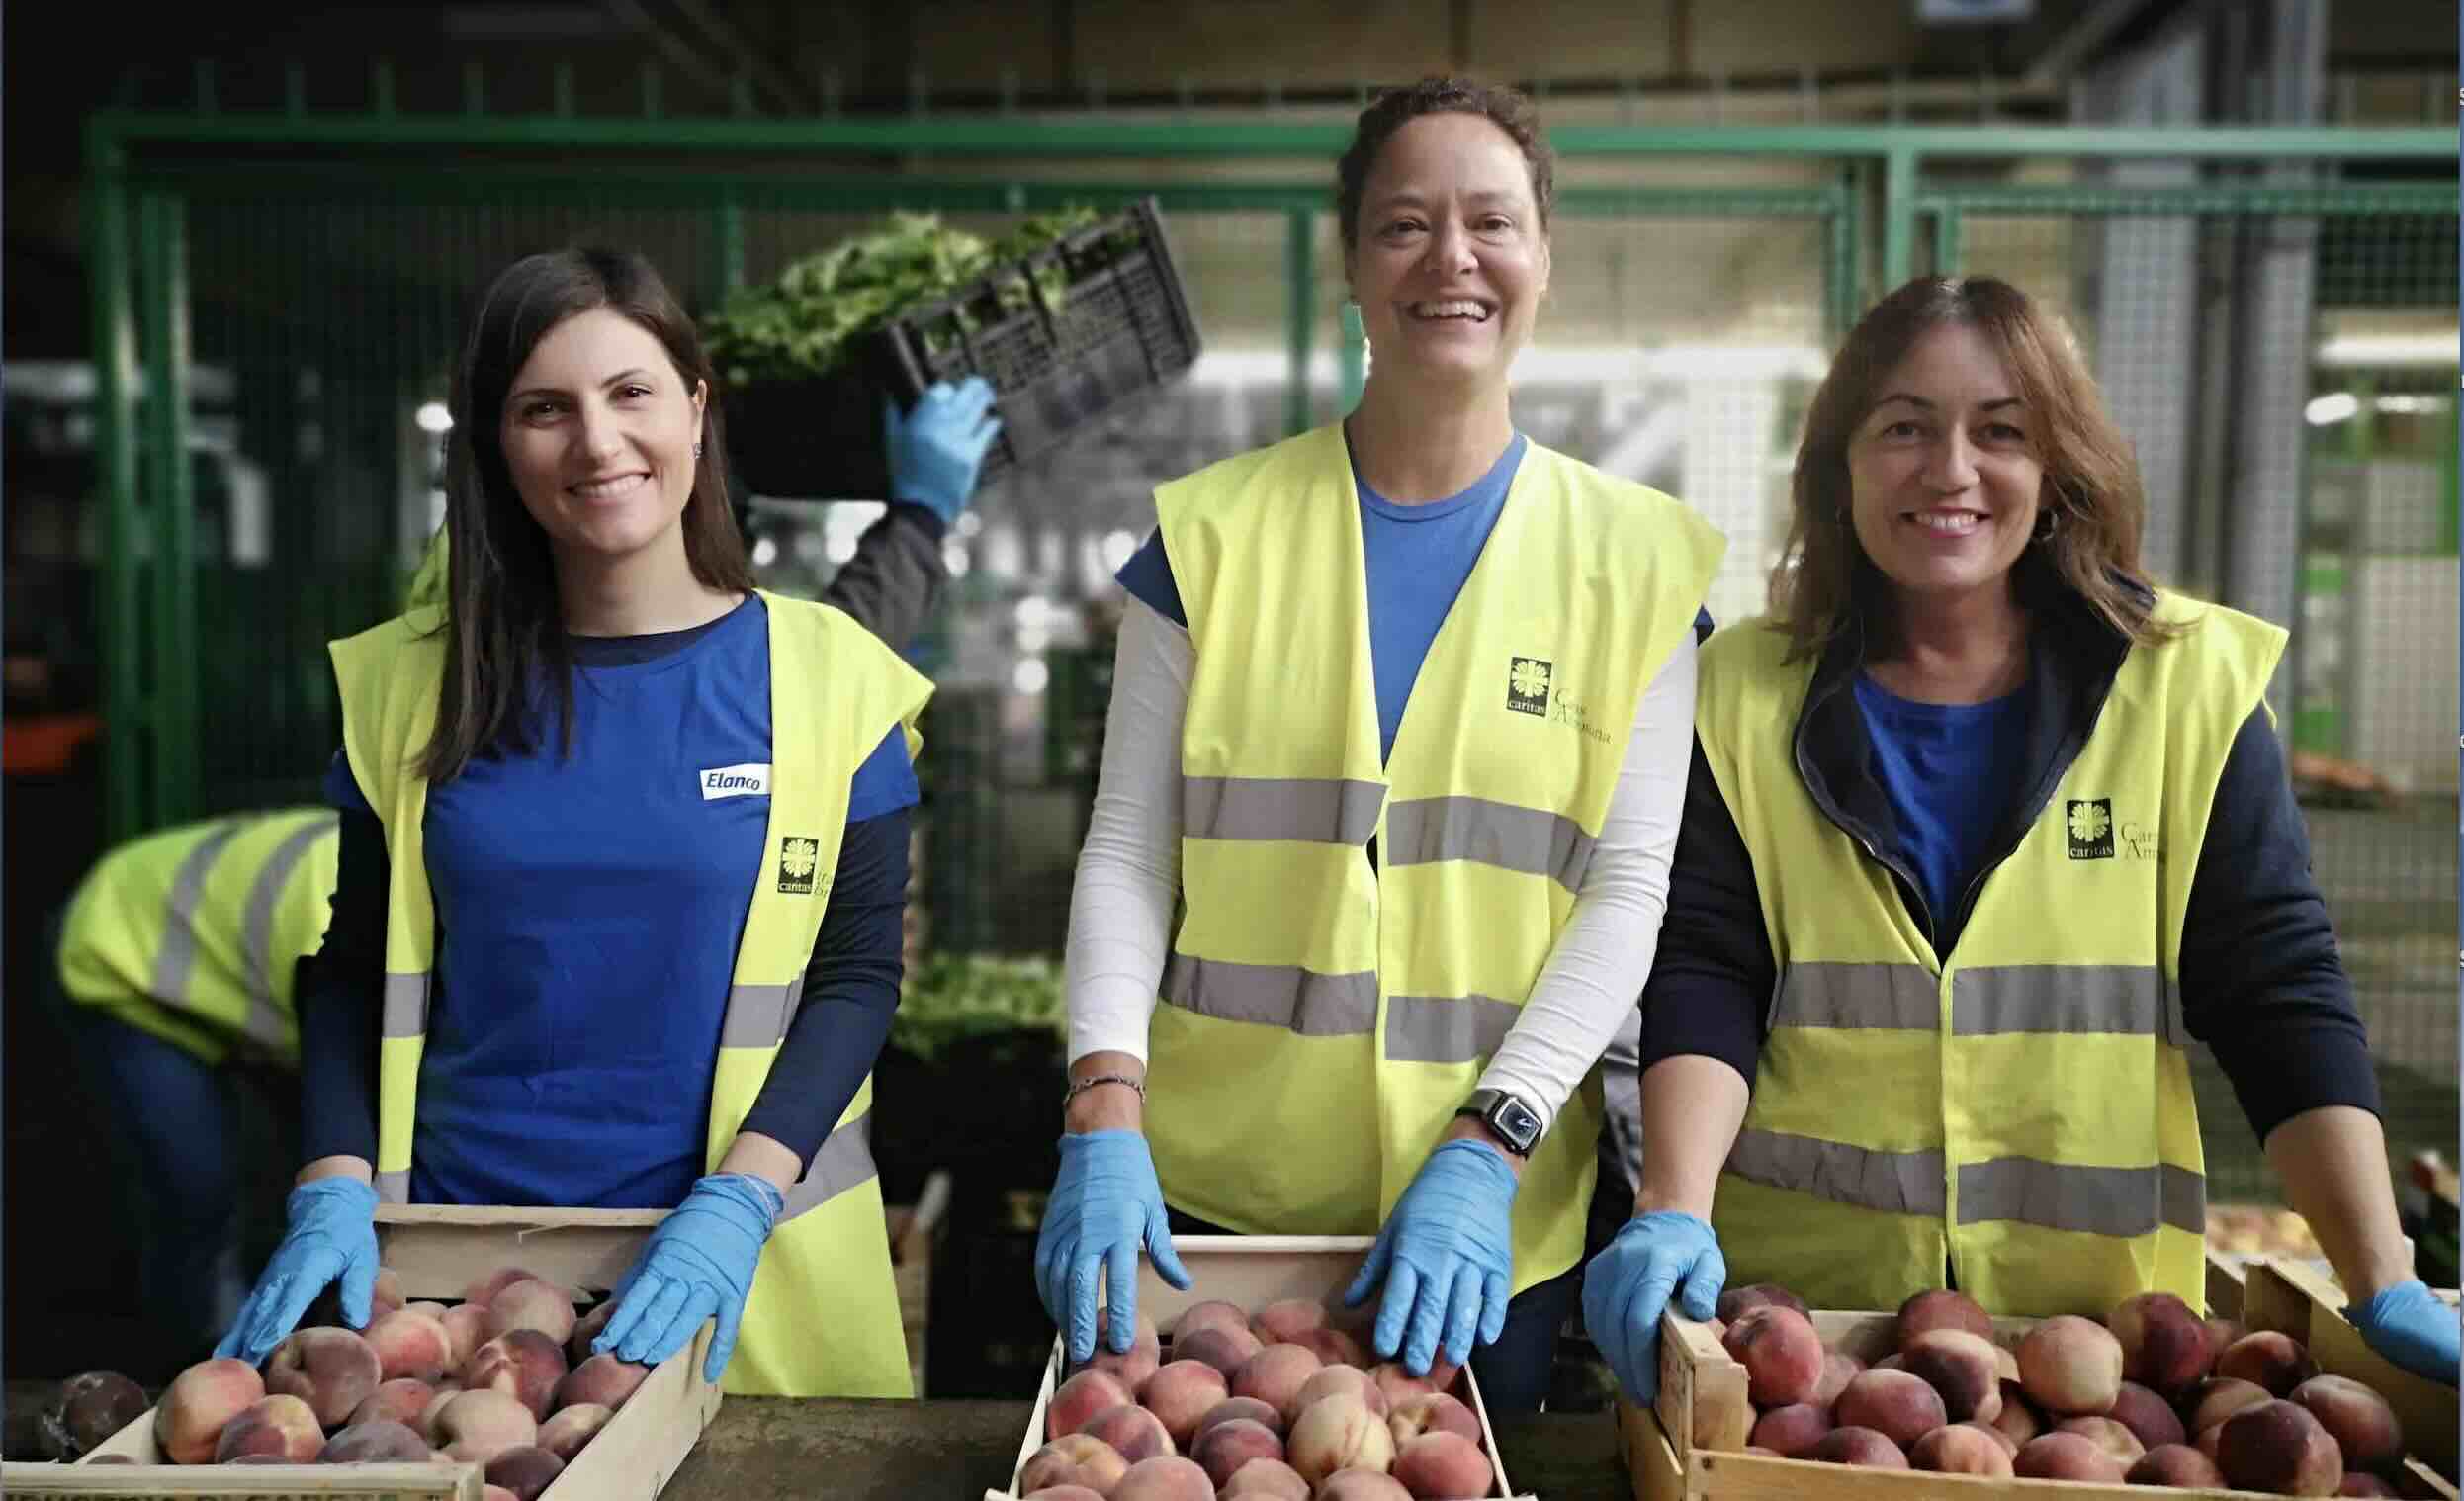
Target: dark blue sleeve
1702, 626
1148, 576
2261, 981
886, 782
1713, 970
851, 992
341, 994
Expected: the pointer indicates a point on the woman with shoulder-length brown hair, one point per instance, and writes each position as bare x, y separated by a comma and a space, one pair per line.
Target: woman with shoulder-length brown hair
1984, 829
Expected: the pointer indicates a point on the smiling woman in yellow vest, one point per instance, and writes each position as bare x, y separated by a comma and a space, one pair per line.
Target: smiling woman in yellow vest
640, 834
1985, 829
1405, 934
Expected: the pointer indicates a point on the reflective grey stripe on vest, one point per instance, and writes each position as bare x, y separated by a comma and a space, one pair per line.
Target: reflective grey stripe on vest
843, 1160
1531, 840
394, 1187
2132, 1000
1838, 995
1446, 1028
757, 1015
1895, 1182
2117, 1201
1320, 810
1275, 995
177, 958
405, 1004
265, 1021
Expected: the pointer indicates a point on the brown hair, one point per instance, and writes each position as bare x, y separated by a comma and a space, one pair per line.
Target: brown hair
2092, 506
1507, 109
504, 631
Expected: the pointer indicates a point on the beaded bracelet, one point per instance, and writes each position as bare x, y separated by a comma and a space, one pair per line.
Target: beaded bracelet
1080, 1086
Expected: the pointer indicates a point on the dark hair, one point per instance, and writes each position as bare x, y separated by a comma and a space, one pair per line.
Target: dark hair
1507, 109
504, 630
2092, 499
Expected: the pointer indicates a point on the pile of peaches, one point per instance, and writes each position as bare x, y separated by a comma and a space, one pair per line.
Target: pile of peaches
503, 1379
2154, 1395
1282, 1406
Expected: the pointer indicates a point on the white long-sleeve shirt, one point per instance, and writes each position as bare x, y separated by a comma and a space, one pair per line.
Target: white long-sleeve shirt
1129, 874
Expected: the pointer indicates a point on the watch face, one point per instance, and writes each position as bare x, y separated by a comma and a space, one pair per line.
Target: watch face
1517, 1121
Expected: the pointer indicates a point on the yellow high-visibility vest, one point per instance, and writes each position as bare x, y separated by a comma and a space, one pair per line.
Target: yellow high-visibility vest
1324, 1016
822, 1317
2020, 1107
191, 933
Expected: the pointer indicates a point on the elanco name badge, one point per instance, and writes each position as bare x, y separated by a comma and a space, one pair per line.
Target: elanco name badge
736, 781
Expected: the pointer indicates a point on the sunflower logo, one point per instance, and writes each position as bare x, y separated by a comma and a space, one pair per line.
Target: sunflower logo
1527, 685
797, 860
2090, 823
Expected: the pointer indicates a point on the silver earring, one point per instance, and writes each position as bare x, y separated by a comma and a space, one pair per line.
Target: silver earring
697, 448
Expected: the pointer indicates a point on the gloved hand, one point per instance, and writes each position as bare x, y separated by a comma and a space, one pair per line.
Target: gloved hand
938, 447
1628, 1283
1104, 1205
699, 1263
2412, 1328
330, 1233
1447, 1256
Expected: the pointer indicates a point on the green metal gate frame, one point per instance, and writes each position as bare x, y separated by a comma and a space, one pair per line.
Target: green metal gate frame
139, 292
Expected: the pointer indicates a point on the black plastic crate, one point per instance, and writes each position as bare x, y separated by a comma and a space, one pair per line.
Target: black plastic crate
1120, 332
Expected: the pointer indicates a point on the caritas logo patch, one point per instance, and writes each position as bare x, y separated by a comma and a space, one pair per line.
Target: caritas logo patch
736, 781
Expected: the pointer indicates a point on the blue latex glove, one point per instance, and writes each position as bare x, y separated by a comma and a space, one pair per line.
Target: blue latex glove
1446, 1256
1628, 1284
2412, 1328
699, 1264
936, 449
330, 1233
1104, 1205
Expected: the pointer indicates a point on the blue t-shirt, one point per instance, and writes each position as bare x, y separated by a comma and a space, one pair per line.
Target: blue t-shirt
1417, 558
589, 912
1949, 773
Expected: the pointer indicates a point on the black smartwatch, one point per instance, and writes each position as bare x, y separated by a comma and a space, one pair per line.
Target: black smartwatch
1515, 1124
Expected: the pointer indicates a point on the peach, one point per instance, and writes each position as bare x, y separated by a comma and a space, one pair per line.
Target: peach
1134, 1433
1064, 1493
1075, 1459
2362, 1483
2205, 1443
2163, 1343
2219, 1398
1736, 1301
1180, 1393
1961, 1367
1961, 1448
1791, 1430
1132, 1366
2177, 1466
1436, 1467
1893, 1404
400, 1400
1331, 1379
565, 1434
429, 1306
1362, 1485
386, 1295
2113, 1437
1432, 1412
1212, 1313
2070, 1366
1239, 1407
1080, 1397
524, 1363
1166, 1477
1337, 1433
2278, 1445
1781, 1354
525, 1472
1275, 1376
465, 1326
599, 1381
1224, 1348
1400, 1384
1943, 1308
91, 1406
381, 1440
1838, 1369
496, 1493
2059, 1456
2010, 1446
1266, 1480
411, 1344
474, 1427
532, 1305
333, 1371
1223, 1449
1285, 1320
444, 1393
2221, 1332
2268, 1358
585, 1329
484, 1290
281, 1426
2150, 1418
1856, 1446
1336, 1347
2363, 1425
1891, 1362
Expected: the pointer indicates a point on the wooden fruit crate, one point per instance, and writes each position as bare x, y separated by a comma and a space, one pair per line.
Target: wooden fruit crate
437, 1249
915, 1230
1253, 1271
1689, 1444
